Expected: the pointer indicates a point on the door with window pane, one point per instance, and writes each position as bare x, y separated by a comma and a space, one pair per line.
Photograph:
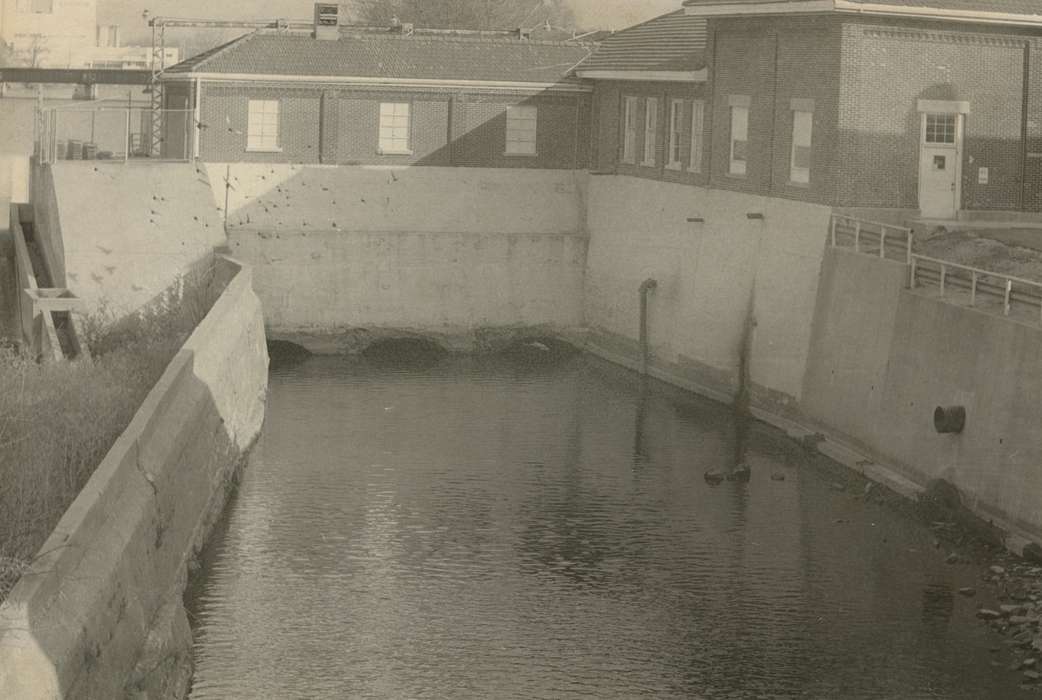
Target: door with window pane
939, 165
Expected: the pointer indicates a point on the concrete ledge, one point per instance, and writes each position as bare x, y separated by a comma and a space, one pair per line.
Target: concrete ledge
103, 597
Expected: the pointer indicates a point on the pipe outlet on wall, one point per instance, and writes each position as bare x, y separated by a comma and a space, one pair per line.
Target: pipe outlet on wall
949, 419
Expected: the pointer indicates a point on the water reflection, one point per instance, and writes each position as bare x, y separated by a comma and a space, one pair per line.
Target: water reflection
481, 528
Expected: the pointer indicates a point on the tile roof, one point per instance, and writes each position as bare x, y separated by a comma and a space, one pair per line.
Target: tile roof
671, 42
1028, 8
379, 55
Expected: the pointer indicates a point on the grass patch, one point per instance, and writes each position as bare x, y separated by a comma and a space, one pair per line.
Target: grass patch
58, 420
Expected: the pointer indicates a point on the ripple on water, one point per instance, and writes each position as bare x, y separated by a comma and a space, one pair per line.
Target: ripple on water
477, 528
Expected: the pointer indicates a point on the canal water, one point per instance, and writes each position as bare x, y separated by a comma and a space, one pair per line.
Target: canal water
492, 527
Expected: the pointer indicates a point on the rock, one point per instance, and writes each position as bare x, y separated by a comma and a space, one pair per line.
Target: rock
988, 614
1020, 620
740, 473
968, 592
997, 570
1029, 662
1033, 553
1032, 676
1008, 610
777, 476
713, 476
952, 558
836, 486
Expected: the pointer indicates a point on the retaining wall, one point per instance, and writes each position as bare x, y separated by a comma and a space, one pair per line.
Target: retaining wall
884, 357
100, 614
120, 234
711, 273
444, 252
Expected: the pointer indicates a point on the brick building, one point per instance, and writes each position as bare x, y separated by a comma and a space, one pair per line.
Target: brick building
649, 102
929, 105
362, 96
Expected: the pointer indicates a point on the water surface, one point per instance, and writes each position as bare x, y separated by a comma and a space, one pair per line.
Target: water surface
485, 528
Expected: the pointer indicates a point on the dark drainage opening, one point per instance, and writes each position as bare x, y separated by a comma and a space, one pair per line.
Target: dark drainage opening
404, 352
949, 419
282, 353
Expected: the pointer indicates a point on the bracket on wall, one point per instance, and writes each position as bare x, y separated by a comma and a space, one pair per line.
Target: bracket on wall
695, 220
755, 215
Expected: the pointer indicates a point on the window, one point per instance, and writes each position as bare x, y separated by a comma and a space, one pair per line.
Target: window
262, 127
394, 128
802, 129
521, 130
650, 131
629, 130
676, 118
698, 108
43, 6
739, 139
940, 128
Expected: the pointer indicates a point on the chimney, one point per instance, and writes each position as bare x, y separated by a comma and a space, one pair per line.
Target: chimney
327, 21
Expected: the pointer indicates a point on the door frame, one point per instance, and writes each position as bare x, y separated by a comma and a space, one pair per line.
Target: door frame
960, 109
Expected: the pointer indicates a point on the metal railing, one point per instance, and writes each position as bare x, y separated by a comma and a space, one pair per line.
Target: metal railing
872, 237
975, 285
111, 132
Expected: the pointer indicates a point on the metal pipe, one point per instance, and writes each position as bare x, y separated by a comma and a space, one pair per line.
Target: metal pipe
646, 287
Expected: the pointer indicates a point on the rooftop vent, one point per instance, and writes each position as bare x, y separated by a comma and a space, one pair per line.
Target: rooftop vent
327, 21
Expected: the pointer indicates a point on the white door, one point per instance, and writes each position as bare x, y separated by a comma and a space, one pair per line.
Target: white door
940, 163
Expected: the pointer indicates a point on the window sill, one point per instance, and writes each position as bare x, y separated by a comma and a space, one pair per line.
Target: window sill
645, 164
695, 171
508, 154
737, 176
800, 185
264, 150
382, 152
676, 167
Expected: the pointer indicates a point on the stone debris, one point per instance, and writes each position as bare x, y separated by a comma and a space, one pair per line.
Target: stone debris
968, 592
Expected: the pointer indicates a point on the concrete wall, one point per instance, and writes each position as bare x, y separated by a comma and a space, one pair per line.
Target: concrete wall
100, 614
884, 357
706, 274
119, 234
441, 251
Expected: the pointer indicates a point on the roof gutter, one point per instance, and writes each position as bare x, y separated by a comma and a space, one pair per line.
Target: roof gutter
672, 76
730, 8
377, 82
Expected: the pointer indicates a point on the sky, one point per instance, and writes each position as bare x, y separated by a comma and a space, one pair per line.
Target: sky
590, 14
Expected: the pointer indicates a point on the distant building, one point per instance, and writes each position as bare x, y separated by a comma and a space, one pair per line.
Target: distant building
49, 33
393, 96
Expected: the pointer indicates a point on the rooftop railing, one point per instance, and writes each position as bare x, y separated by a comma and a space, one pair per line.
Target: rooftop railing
113, 133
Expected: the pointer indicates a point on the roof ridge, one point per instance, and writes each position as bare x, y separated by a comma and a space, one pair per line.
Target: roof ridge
439, 38
221, 50
681, 11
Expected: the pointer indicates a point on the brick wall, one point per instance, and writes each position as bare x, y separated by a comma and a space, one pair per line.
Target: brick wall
887, 67
773, 62
607, 135
341, 125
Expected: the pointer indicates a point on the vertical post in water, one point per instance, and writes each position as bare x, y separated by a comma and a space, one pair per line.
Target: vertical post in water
227, 189
743, 397
645, 288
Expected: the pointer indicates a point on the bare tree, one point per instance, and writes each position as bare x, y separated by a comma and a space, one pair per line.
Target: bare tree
468, 14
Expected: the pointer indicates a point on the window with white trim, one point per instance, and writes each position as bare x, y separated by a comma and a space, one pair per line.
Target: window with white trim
802, 133
739, 140
629, 130
940, 128
262, 126
676, 119
394, 128
698, 111
521, 130
650, 130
